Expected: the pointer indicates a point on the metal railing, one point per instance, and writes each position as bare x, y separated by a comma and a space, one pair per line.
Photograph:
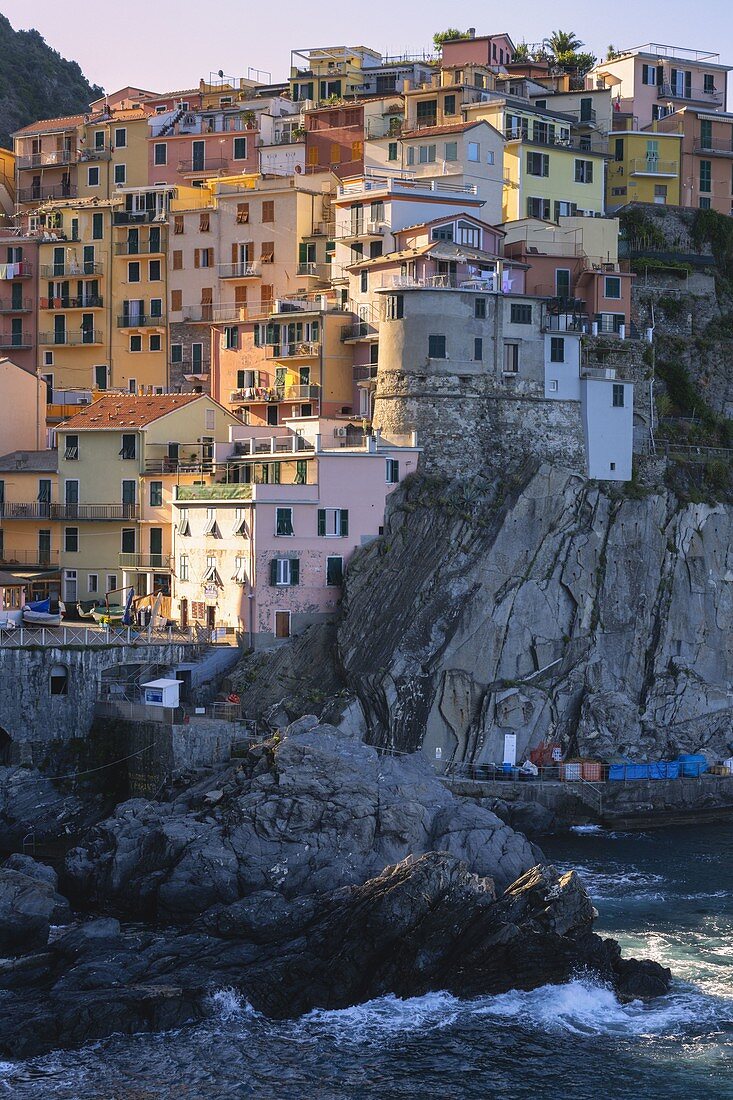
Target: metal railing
22, 636
142, 248
141, 320
138, 217
21, 270
650, 166
42, 559
306, 349
314, 271
209, 164
399, 184
71, 339
362, 330
700, 94
25, 305
310, 392
50, 159
242, 270
15, 340
162, 562
275, 444
95, 301
20, 510
365, 373
80, 269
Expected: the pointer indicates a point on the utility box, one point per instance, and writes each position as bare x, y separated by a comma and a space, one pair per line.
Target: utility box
162, 693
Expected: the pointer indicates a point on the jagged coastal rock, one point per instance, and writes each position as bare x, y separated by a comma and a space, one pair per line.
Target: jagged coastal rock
300, 815
548, 607
315, 873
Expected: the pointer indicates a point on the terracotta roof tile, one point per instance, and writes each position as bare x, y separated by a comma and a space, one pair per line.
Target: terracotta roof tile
65, 122
123, 411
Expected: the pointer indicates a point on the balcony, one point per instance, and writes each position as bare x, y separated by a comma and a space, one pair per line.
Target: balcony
85, 269
213, 313
362, 330
223, 491
139, 217
53, 159
93, 301
46, 193
15, 340
313, 271
365, 373
102, 153
22, 270
302, 393
141, 320
689, 94
242, 270
712, 150
304, 349
21, 305
71, 339
142, 248
44, 510
363, 231
211, 164
162, 563
650, 166
37, 559
401, 185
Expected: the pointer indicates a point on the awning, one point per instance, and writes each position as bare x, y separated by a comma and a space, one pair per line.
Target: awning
11, 577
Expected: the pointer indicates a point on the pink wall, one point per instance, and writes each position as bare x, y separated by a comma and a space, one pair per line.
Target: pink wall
218, 155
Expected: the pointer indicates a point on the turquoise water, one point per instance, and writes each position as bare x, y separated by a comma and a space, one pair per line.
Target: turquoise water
667, 894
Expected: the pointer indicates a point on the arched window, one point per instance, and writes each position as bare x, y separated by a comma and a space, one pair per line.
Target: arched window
59, 680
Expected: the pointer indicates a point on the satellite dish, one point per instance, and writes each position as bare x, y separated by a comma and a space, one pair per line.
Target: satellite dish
221, 72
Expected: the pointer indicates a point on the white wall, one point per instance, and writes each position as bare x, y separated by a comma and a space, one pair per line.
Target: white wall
609, 431
567, 374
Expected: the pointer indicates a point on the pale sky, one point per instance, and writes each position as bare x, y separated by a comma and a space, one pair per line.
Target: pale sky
169, 46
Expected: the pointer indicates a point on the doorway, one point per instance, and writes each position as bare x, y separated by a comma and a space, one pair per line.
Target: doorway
282, 624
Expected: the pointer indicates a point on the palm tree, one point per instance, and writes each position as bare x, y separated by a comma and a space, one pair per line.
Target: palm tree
522, 52
562, 43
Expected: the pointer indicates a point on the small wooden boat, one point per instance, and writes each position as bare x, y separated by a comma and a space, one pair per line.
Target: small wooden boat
108, 615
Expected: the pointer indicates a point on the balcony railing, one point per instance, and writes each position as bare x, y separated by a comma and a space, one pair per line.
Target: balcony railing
303, 350
138, 217
48, 160
35, 510
650, 166
313, 271
15, 340
242, 270
41, 559
22, 305
80, 269
21, 270
362, 330
303, 393
366, 372
71, 339
400, 185
46, 193
93, 301
142, 248
215, 312
141, 320
698, 94
102, 153
712, 150
210, 164
161, 562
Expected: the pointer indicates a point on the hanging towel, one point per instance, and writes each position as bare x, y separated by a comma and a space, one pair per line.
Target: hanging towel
3, 271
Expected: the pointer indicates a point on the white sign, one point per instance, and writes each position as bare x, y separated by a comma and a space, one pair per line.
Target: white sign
510, 749
438, 753
210, 592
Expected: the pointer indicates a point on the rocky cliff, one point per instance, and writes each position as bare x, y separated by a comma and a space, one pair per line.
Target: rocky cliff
550, 607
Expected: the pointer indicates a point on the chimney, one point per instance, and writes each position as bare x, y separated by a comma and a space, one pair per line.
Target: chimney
471, 32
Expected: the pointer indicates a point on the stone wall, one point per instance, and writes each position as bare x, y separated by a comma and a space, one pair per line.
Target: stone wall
186, 335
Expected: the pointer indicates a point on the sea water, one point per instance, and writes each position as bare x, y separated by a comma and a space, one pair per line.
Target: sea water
665, 894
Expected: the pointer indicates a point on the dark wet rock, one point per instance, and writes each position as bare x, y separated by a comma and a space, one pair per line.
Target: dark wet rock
28, 908
530, 818
28, 866
308, 812
427, 923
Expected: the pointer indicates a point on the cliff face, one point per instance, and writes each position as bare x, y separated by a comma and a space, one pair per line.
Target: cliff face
37, 82
549, 608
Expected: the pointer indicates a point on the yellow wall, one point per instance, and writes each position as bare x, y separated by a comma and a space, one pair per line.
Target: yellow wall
133, 155
20, 542
559, 186
633, 178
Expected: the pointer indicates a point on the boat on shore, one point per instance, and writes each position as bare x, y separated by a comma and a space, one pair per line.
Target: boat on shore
39, 613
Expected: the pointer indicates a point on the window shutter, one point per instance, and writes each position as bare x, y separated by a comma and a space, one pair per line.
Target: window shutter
235, 253
321, 521
344, 521
176, 301
177, 260
196, 257
240, 295
302, 254
207, 295
273, 571
295, 570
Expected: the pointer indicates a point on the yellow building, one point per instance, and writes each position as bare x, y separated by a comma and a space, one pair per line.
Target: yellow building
7, 182
119, 460
644, 167
29, 527
549, 172
113, 152
329, 72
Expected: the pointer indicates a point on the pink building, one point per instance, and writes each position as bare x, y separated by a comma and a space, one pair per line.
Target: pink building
263, 550
18, 296
493, 50
189, 145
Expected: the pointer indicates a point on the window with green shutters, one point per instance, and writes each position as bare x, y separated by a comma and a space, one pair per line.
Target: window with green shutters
156, 494
285, 572
706, 175
301, 472
392, 151
706, 133
284, 521
334, 571
333, 522
97, 227
393, 471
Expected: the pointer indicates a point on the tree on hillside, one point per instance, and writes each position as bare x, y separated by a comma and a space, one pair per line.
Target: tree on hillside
448, 35
522, 52
564, 49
